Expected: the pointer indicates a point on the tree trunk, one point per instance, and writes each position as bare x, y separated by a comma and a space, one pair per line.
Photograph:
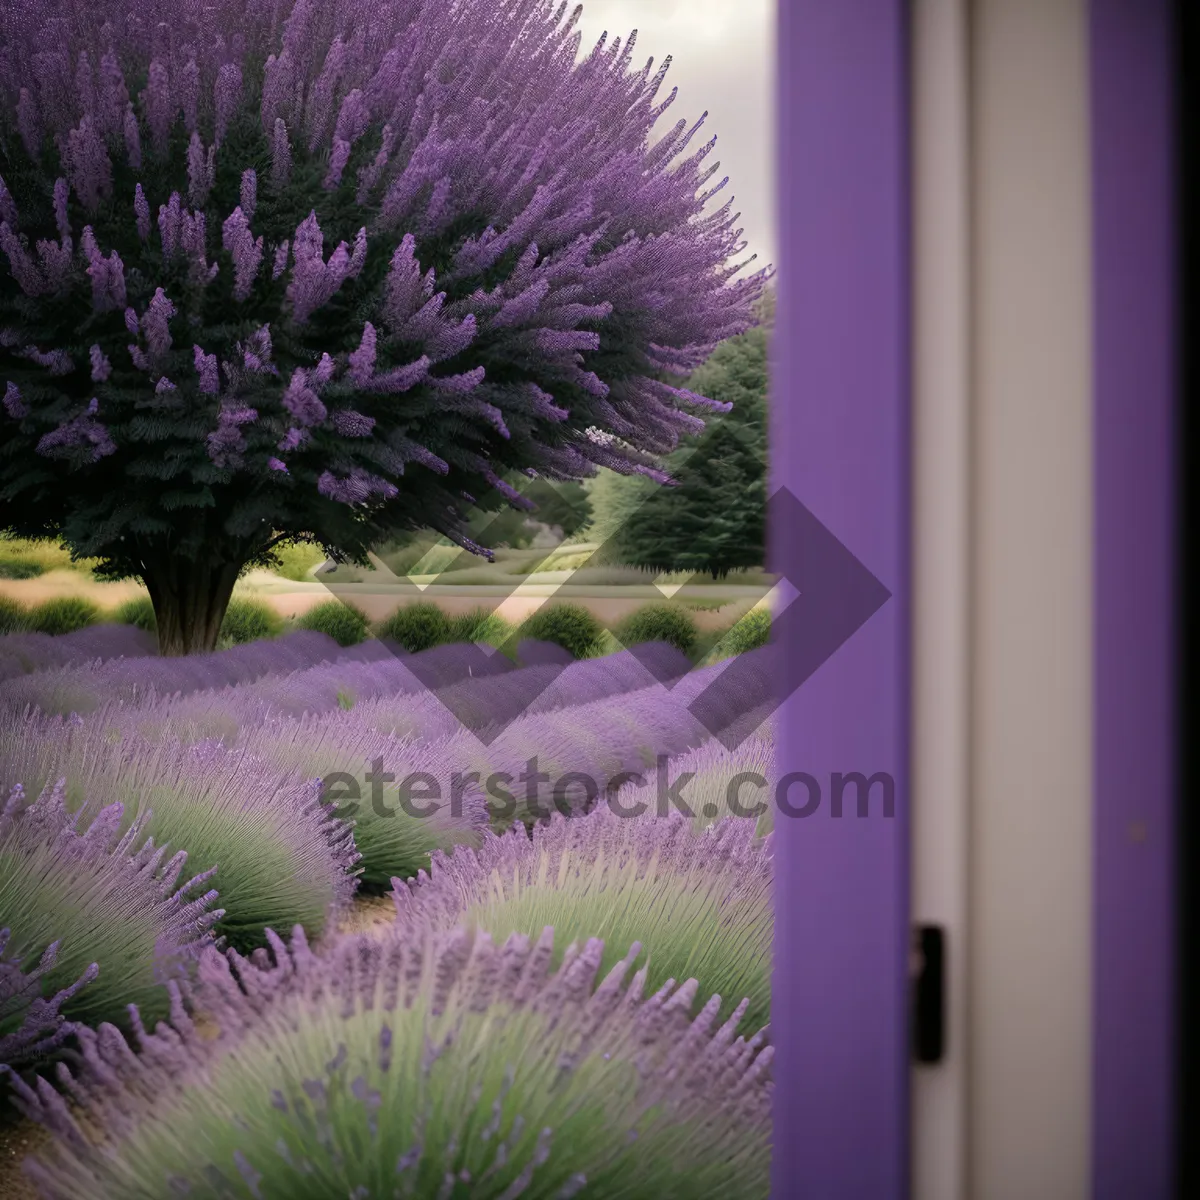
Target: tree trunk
190, 598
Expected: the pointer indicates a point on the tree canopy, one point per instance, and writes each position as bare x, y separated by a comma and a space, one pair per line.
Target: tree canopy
189, 377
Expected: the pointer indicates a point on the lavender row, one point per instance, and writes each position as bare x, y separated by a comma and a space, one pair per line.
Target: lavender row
81, 689
22, 653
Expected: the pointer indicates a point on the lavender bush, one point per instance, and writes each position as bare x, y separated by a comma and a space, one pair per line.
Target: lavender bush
708, 779
517, 275
282, 856
392, 839
91, 903
700, 903
423, 1067
32, 1025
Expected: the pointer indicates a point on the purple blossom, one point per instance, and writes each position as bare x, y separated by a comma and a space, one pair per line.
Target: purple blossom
249, 192
42, 1029
29, 124
276, 465
246, 252
101, 367
13, 404
57, 362
281, 259
20, 264
227, 93
352, 424
188, 92
154, 323
206, 368
226, 443
61, 198
302, 402
142, 208
201, 171
107, 275
169, 219
8, 206
113, 98
281, 156
314, 281
90, 166
80, 437
157, 106
293, 439
133, 138
356, 488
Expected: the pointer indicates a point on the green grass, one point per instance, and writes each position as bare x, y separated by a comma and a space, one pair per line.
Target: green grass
64, 614
14, 617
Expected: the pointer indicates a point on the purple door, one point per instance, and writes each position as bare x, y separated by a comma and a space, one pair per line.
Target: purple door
840, 446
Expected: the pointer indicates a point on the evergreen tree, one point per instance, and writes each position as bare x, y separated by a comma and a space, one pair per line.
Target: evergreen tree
713, 518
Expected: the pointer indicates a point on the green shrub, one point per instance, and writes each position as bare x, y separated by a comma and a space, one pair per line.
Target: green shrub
139, 611
14, 617
417, 627
659, 623
248, 621
20, 568
343, 622
570, 626
752, 631
479, 625
297, 559
64, 614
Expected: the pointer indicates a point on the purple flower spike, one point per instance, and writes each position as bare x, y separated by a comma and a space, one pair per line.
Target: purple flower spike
439, 1046
102, 907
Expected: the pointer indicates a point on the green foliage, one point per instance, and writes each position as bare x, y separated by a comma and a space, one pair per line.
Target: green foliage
14, 617
139, 611
479, 625
570, 626
614, 499
343, 622
63, 614
659, 623
20, 568
296, 560
248, 621
713, 519
416, 627
751, 632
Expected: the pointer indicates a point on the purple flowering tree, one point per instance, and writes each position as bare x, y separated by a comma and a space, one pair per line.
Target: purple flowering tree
306, 268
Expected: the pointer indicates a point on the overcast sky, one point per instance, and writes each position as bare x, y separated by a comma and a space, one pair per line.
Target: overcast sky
722, 60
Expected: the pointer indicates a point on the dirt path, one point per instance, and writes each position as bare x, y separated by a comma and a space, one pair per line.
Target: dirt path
378, 601
18, 1138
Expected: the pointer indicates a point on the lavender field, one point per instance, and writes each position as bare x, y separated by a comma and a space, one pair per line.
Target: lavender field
194, 844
